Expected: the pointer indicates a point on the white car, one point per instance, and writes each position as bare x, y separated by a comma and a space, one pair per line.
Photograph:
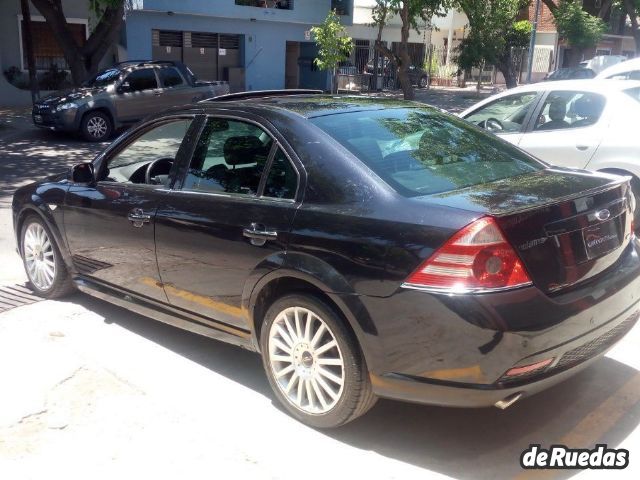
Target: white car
629, 70
590, 124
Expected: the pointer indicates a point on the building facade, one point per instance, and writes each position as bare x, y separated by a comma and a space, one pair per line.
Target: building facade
252, 44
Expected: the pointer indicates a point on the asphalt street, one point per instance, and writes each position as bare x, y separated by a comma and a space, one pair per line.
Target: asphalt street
91, 390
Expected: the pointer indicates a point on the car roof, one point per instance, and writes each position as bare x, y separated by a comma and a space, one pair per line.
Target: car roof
622, 67
314, 105
587, 85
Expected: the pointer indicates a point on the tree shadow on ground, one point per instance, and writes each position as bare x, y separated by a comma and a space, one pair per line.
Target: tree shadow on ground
31, 155
462, 443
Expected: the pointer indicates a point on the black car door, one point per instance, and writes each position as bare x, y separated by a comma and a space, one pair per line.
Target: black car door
109, 226
230, 216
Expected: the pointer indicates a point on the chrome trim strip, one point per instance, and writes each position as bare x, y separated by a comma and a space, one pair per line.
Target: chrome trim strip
448, 291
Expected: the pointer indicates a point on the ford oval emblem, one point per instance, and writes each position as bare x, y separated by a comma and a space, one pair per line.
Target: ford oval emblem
603, 214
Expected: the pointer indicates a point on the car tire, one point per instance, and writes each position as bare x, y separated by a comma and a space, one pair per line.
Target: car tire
325, 382
96, 126
423, 82
47, 273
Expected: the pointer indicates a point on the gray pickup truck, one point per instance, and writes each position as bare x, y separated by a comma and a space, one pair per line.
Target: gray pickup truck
121, 95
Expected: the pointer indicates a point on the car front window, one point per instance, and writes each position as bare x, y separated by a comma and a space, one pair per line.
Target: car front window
420, 151
509, 112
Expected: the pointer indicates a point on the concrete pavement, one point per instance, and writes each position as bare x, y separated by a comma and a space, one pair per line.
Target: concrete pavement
90, 390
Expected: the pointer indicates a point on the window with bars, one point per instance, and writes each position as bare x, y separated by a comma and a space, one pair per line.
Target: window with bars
340, 6
47, 50
281, 4
170, 38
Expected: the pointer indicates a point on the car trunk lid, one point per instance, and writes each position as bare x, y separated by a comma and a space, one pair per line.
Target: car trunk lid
566, 227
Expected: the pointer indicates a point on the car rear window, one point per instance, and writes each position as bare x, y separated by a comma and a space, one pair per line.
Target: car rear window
633, 93
422, 151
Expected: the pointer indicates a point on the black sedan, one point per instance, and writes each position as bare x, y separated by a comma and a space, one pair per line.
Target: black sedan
365, 247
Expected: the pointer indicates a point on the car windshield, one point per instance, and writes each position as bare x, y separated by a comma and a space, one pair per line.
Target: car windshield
104, 78
421, 151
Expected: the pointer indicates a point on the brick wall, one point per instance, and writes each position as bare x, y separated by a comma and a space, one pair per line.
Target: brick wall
545, 21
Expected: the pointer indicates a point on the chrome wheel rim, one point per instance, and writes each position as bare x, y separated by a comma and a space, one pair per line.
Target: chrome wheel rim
39, 256
97, 127
306, 361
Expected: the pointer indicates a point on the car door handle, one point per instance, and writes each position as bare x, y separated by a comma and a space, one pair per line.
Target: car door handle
259, 234
138, 218
582, 147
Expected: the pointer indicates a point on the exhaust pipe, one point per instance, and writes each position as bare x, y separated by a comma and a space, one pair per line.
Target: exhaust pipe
508, 401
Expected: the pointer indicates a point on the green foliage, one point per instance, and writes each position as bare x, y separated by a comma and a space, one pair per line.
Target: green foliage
579, 28
333, 43
420, 11
493, 31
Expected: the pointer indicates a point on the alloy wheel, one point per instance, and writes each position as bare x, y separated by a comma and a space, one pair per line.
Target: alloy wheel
97, 127
306, 361
39, 256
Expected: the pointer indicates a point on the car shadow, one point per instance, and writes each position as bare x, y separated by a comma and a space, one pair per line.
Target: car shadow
599, 405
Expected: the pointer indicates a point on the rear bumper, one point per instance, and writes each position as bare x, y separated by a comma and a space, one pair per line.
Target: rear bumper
455, 350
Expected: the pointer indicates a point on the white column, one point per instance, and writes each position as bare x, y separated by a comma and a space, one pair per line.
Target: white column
450, 36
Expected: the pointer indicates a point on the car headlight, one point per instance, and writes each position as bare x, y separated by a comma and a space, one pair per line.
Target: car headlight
66, 106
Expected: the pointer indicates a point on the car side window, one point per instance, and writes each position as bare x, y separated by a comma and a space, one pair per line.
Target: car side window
143, 79
505, 115
159, 144
229, 158
170, 77
282, 179
566, 109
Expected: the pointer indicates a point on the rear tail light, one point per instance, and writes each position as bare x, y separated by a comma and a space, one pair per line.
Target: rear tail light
477, 258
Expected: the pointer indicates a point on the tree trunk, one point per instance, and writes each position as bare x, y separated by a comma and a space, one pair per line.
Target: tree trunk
575, 56
509, 74
31, 59
405, 61
83, 61
635, 28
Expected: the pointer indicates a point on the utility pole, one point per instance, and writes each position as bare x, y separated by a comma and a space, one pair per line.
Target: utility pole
532, 43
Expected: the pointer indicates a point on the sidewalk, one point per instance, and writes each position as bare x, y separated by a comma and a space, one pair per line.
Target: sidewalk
452, 99
14, 119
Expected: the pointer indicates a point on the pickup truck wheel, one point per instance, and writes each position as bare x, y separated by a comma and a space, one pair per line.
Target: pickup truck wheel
423, 82
96, 126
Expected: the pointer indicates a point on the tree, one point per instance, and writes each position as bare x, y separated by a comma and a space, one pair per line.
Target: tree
410, 12
83, 60
493, 36
632, 8
31, 59
334, 45
580, 29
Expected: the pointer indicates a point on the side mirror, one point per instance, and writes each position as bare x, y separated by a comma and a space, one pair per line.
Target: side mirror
124, 87
83, 173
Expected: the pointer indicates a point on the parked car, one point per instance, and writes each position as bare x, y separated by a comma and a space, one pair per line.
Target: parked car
577, 73
589, 124
629, 70
417, 75
600, 62
120, 96
366, 247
